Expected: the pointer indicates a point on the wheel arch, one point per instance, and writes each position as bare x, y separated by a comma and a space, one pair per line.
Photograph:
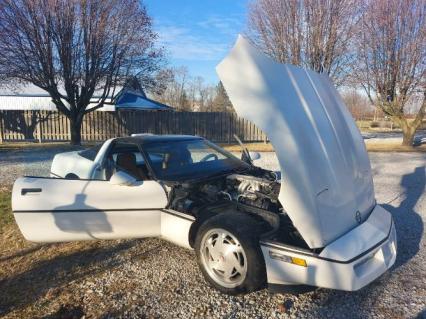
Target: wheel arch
71, 176
202, 218
207, 214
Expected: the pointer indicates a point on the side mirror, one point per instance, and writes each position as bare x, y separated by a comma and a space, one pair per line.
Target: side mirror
122, 178
254, 155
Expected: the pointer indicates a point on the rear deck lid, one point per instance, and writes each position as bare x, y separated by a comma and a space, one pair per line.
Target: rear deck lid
327, 187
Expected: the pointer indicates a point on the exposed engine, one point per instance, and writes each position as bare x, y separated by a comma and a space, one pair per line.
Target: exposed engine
253, 190
256, 195
250, 190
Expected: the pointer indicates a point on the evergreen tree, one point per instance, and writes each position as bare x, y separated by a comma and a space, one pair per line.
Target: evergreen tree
221, 102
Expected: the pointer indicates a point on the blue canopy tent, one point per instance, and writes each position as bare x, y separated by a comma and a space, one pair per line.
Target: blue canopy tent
132, 100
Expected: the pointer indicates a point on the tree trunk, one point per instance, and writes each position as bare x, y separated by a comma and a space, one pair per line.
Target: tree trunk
408, 133
29, 132
75, 125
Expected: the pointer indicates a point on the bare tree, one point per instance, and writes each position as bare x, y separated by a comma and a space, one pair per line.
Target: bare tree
175, 86
391, 64
357, 103
74, 48
201, 92
183, 91
310, 33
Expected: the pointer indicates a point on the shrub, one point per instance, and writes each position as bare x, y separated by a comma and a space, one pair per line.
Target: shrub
374, 124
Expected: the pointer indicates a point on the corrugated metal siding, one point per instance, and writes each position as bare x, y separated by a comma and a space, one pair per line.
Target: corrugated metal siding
8, 102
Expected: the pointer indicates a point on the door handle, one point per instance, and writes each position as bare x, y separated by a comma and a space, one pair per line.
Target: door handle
25, 191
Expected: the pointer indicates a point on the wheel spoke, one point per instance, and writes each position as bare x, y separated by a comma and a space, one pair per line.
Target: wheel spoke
213, 251
238, 267
228, 270
218, 265
234, 263
234, 249
219, 245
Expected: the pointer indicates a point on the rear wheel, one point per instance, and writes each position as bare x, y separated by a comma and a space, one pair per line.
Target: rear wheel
229, 254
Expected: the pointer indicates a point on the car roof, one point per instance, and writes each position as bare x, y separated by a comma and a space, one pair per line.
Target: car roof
153, 138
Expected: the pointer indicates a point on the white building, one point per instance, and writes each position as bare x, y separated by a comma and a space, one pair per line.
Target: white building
31, 97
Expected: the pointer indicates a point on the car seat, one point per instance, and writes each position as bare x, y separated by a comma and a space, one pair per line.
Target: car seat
177, 158
127, 162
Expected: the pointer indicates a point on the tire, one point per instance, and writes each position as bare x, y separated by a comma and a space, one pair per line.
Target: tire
229, 254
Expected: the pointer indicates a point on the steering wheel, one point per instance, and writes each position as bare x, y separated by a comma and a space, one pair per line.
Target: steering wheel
208, 156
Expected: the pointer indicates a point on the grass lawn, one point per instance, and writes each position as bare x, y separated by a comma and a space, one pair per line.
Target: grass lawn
6, 217
393, 147
41, 278
371, 147
20, 145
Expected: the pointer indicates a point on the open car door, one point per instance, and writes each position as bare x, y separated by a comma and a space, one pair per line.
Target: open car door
56, 210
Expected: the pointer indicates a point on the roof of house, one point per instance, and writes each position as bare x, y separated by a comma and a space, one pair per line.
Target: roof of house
128, 99
31, 97
31, 90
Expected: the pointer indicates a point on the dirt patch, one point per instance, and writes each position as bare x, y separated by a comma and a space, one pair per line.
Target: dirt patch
43, 278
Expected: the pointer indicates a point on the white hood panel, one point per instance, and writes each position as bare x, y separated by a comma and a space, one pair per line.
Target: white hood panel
326, 175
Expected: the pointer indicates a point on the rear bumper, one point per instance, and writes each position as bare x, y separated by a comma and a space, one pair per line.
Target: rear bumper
349, 263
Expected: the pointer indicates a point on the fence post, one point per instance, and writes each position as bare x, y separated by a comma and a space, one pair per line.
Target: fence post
1, 129
39, 133
101, 125
229, 127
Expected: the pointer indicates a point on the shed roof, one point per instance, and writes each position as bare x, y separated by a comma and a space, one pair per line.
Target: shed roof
31, 97
138, 101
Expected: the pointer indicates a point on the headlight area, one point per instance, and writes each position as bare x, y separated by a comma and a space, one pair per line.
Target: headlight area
339, 265
288, 259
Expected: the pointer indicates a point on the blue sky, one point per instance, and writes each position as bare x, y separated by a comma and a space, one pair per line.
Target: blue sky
198, 34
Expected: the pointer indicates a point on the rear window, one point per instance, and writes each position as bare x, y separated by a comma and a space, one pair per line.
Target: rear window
90, 153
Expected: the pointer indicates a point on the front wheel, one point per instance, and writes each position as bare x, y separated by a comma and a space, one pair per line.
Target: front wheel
229, 255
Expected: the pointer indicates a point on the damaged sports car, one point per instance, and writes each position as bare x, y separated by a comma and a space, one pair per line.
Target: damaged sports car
314, 223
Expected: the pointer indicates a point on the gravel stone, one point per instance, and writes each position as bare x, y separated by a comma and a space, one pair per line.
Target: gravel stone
155, 279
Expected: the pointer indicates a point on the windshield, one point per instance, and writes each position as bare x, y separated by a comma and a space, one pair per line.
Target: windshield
184, 160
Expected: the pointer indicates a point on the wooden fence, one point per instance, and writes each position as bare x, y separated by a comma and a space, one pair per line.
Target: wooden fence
44, 126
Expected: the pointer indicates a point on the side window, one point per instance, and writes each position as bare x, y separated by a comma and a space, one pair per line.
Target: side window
91, 153
124, 156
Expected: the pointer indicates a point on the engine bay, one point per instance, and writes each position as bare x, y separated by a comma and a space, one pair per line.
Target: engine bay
255, 193
260, 192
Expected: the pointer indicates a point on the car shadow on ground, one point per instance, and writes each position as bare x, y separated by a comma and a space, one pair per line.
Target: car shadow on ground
47, 275
408, 223
23, 252
410, 229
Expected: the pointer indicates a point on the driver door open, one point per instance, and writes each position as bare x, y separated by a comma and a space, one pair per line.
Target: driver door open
56, 209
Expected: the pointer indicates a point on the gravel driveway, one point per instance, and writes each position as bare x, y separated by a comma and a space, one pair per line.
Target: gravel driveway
151, 278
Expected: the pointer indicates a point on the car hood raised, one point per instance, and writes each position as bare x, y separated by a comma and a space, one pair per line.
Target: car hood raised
326, 187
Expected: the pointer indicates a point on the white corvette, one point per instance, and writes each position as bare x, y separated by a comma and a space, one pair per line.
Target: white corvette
319, 226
